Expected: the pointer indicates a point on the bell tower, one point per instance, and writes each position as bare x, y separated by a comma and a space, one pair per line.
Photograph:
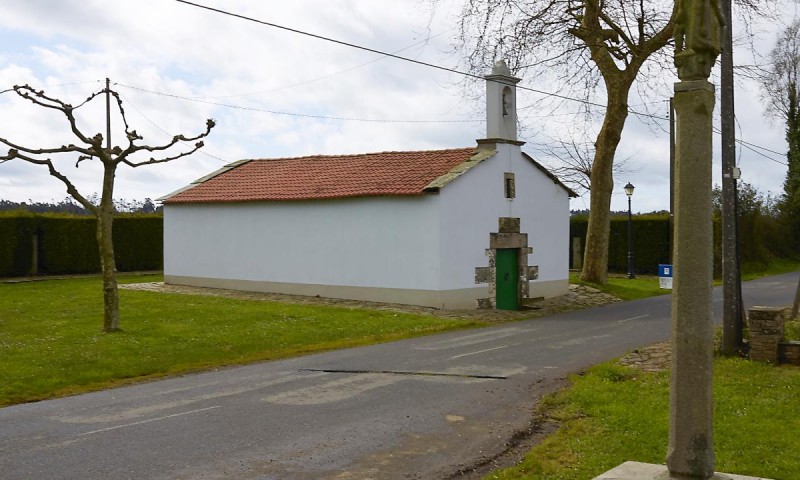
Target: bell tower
501, 103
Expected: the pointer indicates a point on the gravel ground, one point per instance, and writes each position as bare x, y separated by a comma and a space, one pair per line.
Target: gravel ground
579, 297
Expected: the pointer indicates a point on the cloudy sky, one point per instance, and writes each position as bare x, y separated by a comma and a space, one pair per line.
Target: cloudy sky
276, 93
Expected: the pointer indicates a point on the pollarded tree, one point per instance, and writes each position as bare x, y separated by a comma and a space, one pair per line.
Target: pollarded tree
91, 147
580, 45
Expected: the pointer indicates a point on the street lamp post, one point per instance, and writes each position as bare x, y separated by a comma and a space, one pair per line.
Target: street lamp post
629, 192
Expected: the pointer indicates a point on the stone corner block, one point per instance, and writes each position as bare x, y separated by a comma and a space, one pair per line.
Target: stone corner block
508, 225
483, 274
533, 272
485, 303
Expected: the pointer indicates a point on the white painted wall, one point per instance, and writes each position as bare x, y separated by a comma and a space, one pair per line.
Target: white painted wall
472, 204
385, 242
426, 243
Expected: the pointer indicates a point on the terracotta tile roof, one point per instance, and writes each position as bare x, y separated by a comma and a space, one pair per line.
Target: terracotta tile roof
324, 176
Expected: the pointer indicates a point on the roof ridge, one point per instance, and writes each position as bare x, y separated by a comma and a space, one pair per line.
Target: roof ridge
366, 154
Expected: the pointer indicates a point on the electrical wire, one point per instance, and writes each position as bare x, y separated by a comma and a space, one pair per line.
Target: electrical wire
752, 147
275, 112
73, 83
321, 37
399, 57
745, 145
128, 101
390, 55
313, 80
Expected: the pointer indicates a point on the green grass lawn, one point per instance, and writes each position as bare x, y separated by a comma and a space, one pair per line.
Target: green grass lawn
792, 330
626, 288
613, 414
776, 267
51, 342
643, 286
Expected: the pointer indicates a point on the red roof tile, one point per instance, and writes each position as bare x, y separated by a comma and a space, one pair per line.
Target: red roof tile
324, 176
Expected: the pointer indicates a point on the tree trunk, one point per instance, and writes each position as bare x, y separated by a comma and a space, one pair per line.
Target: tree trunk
105, 240
595, 258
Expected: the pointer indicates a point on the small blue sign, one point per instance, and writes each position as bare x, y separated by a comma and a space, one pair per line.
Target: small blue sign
665, 270
665, 276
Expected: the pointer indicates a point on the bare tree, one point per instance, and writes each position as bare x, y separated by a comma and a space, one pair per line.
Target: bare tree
589, 48
782, 76
781, 95
93, 148
574, 162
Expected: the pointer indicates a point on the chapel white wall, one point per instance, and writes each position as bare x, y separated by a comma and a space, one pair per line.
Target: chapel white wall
364, 242
472, 204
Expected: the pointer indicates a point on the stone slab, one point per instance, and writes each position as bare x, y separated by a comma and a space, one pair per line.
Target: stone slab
649, 471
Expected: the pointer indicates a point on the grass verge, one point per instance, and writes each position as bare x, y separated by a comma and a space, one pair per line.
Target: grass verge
647, 285
52, 344
625, 288
613, 414
776, 267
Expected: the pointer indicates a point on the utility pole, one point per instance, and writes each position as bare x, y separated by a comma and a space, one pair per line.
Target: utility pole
108, 114
731, 309
671, 173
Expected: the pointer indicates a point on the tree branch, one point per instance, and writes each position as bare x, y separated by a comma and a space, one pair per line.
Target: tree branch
123, 157
39, 98
47, 151
13, 153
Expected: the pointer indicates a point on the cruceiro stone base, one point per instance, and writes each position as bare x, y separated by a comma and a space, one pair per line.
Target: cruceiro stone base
649, 471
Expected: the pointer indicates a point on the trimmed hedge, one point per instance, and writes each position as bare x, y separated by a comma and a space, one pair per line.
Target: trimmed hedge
68, 244
139, 242
16, 244
651, 242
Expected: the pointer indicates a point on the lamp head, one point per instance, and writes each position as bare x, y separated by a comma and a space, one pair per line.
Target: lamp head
629, 189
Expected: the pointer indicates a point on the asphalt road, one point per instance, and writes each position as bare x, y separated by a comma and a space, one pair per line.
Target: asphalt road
421, 408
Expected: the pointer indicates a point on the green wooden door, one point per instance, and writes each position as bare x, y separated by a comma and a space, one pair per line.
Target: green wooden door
506, 265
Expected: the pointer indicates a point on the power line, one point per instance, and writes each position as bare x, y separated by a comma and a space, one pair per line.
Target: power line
385, 54
752, 147
306, 82
291, 114
762, 148
327, 39
164, 131
745, 145
399, 57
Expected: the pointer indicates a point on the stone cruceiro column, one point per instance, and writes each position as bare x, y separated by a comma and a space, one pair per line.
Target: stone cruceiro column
691, 449
691, 445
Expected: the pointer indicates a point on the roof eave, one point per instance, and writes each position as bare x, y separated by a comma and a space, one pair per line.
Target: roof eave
550, 174
460, 169
202, 179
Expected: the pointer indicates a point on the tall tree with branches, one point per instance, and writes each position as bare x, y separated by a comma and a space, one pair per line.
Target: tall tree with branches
576, 162
781, 95
97, 148
590, 49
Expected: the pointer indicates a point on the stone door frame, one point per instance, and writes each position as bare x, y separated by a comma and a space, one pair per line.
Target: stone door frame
508, 236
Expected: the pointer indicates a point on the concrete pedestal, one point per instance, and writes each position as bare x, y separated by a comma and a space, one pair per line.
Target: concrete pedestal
649, 471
